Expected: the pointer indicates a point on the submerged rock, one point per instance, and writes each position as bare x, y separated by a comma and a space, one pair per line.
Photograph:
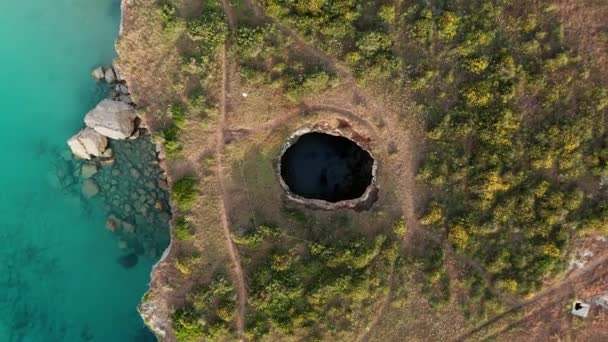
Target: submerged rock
113, 119
128, 228
126, 99
88, 170
128, 261
112, 223
87, 143
89, 188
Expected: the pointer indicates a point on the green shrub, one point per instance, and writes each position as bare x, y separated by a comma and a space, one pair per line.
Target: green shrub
171, 143
307, 85
186, 264
182, 230
400, 228
448, 25
374, 42
387, 13
177, 113
184, 192
261, 234
187, 327
168, 15
210, 29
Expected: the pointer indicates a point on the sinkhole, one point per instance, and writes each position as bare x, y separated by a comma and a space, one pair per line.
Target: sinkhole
322, 166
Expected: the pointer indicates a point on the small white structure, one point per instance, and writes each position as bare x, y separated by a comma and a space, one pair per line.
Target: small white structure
580, 309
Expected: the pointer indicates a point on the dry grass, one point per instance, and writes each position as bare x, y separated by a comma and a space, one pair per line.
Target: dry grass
586, 29
256, 127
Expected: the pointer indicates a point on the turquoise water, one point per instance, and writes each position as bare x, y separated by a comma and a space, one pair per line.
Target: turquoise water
59, 278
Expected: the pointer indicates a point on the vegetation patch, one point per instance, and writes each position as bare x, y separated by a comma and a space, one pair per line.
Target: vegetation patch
305, 288
262, 53
511, 133
184, 193
209, 314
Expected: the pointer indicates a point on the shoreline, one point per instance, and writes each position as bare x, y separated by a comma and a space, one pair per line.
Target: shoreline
147, 310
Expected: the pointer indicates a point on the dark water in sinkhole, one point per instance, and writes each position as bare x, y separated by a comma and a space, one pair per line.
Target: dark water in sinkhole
326, 167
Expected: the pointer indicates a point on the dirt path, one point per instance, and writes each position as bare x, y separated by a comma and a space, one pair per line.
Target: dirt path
224, 205
386, 301
229, 13
233, 252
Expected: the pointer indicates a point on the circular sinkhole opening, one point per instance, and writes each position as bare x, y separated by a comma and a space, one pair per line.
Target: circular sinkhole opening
331, 168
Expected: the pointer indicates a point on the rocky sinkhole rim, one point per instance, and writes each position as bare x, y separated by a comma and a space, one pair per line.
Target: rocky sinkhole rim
363, 202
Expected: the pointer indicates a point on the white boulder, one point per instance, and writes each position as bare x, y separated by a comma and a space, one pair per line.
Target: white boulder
78, 148
113, 119
110, 76
87, 143
98, 73
125, 98
93, 142
123, 89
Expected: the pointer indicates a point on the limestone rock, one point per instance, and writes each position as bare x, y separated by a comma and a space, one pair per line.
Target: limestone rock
118, 74
98, 73
110, 76
87, 143
88, 170
113, 119
108, 153
135, 135
162, 184
89, 188
78, 148
94, 143
123, 89
125, 98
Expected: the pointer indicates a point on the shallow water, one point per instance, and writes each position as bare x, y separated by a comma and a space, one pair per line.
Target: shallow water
59, 276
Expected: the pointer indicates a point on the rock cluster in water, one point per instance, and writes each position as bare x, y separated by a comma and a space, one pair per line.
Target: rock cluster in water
132, 191
113, 118
117, 163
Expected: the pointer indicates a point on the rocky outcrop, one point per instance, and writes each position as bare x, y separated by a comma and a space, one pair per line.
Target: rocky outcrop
113, 119
88, 143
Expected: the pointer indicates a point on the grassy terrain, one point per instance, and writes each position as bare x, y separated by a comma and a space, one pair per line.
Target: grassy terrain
490, 131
